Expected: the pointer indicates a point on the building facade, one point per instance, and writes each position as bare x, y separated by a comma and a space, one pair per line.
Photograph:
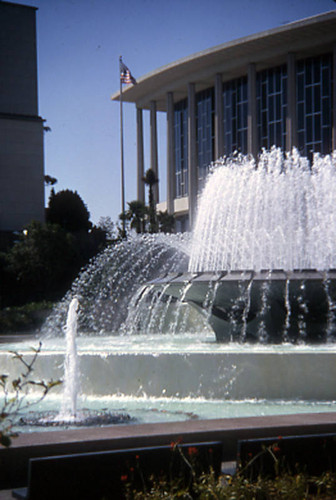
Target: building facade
21, 129
273, 88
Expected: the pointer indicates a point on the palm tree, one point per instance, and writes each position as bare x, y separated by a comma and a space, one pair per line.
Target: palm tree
166, 222
150, 180
136, 213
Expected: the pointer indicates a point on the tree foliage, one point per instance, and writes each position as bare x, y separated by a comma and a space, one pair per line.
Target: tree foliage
150, 180
138, 217
42, 263
109, 227
166, 222
45, 258
67, 209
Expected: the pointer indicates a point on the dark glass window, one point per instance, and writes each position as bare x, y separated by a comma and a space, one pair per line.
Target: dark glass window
235, 115
272, 107
205, 132
314, 104
181, 147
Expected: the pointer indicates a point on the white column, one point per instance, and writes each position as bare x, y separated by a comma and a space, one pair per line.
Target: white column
192, 154
154, 147
291, 122
219, 129
252, 135
140, 156
170, 154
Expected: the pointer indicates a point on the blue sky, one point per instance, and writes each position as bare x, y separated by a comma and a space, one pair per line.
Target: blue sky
79, 43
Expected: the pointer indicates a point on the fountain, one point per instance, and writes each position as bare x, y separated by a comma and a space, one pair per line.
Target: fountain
265, 243
258, 268
71, 369
69, 414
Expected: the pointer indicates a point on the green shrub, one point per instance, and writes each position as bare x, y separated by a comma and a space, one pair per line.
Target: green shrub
24, 318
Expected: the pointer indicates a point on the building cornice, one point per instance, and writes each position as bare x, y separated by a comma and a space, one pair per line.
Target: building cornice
12, 4
19, 117
305, 37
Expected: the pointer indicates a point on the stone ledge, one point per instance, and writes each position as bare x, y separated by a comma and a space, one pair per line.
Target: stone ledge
14, 461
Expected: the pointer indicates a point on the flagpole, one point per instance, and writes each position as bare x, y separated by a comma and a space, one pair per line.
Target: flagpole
122, 160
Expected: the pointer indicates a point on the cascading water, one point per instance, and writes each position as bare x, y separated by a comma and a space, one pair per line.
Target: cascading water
267, 234
149, 305
107, 289
278, 215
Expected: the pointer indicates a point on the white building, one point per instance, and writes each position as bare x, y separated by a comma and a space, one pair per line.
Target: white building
273, 88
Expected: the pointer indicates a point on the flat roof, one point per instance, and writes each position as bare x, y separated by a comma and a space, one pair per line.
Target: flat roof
12, 4
306, 37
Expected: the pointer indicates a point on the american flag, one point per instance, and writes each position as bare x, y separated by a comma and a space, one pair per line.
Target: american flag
125, 74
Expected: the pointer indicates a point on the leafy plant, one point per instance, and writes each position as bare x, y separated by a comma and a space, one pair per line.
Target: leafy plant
15, 392
211, 486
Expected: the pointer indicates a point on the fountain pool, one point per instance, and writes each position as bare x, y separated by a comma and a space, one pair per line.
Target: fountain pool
145, 349
160, 378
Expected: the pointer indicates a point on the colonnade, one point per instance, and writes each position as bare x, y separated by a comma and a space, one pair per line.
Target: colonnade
252, 133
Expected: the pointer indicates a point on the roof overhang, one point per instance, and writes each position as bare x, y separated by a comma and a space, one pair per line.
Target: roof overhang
307, 37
